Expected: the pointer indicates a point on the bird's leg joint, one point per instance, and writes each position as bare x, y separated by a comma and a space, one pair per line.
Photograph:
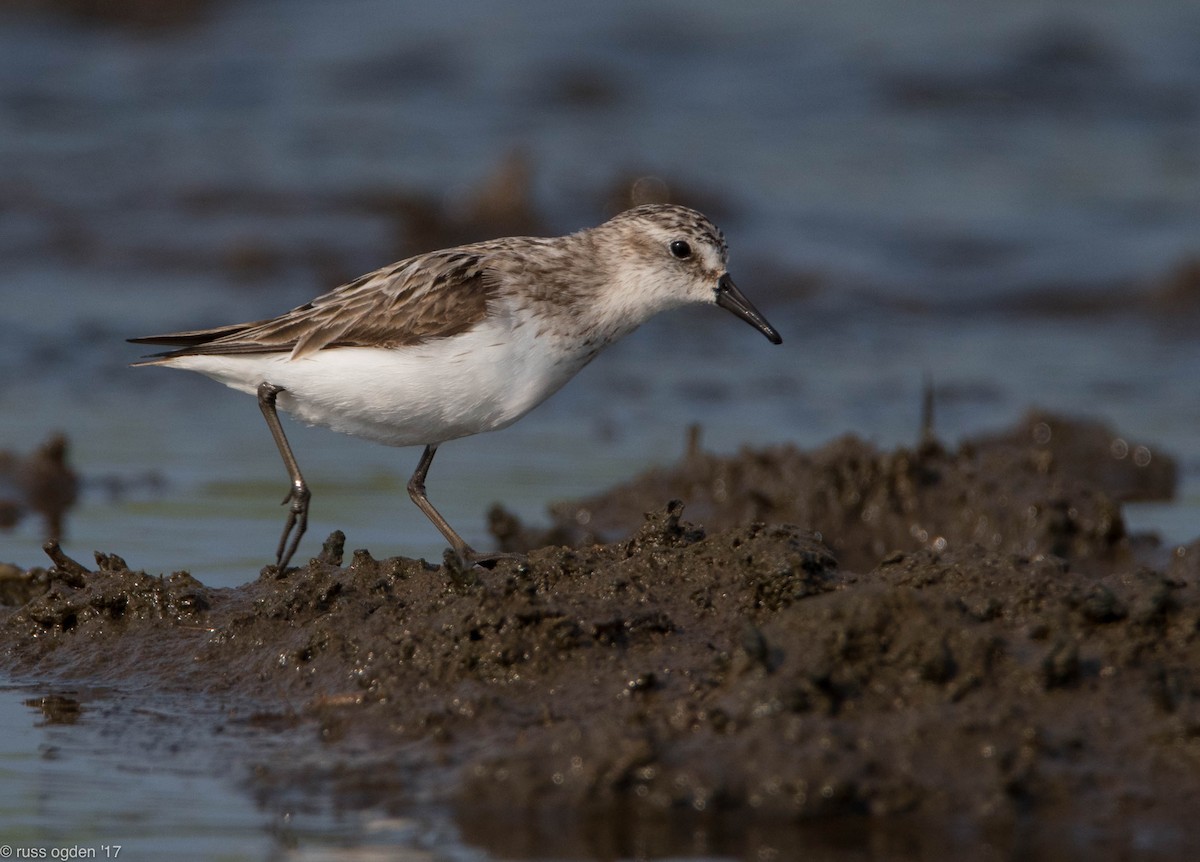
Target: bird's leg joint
267, 392
298, 496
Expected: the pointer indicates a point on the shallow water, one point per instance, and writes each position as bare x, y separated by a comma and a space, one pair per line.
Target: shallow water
984, 193
70, 784
91, 773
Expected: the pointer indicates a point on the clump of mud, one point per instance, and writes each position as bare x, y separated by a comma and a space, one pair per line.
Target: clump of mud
970, 639
1050, 486
41, 483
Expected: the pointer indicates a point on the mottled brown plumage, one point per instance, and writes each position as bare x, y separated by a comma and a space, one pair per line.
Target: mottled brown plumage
431, 296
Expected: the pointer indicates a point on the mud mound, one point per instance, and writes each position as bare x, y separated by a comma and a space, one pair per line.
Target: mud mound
1040, 681
1051, 485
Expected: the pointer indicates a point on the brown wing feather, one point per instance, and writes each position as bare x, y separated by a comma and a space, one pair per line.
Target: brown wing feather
431, 296
195, 336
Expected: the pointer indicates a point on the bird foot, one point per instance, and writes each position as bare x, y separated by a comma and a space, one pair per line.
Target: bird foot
294, 527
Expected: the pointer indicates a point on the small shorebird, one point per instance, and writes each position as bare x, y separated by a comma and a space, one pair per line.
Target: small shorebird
460, 341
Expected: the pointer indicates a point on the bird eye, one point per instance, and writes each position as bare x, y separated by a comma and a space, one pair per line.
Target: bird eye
680, 249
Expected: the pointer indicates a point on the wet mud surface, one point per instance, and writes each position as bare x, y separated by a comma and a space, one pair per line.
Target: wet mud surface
809, 646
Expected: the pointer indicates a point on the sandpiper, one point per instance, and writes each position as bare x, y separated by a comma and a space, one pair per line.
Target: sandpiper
460, 341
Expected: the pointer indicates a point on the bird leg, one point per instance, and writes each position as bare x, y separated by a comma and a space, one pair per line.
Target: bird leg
299, 495
416, 490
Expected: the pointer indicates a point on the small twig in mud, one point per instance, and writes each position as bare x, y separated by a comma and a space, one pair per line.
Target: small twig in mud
694, 447
110, 562
928, 435
333, 549
65, 569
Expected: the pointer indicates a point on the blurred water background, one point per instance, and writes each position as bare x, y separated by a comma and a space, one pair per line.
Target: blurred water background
1004, 195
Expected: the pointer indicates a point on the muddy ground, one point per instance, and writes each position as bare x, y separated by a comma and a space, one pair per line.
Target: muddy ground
844, 648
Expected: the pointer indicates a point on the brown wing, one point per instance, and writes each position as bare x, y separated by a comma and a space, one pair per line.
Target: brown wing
434, 295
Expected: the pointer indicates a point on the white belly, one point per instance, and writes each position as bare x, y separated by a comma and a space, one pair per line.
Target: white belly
478, 381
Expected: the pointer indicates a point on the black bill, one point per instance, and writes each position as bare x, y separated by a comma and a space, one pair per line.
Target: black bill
728, 296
